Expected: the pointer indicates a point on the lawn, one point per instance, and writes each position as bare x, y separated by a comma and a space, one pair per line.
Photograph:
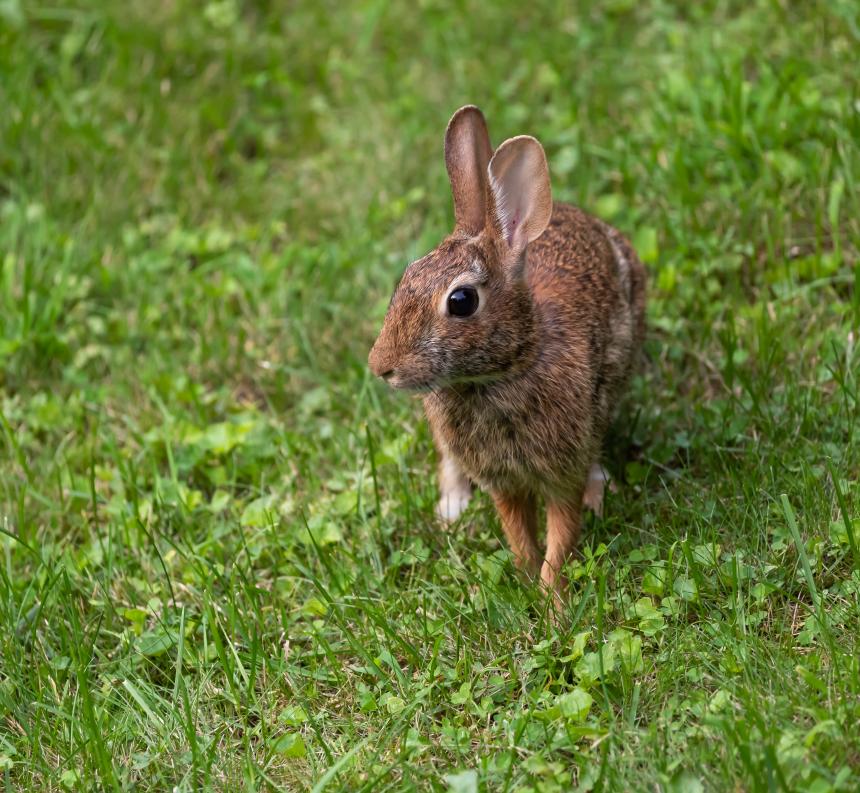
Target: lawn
219, 565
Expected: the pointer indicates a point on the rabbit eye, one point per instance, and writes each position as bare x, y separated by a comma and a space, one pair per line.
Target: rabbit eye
463, 302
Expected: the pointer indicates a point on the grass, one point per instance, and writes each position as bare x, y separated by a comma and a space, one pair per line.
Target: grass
218, 563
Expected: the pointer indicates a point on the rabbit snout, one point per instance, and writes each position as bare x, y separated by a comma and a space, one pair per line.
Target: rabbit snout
399, 368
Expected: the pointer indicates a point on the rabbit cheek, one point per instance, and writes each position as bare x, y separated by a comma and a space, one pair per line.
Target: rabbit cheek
464, 352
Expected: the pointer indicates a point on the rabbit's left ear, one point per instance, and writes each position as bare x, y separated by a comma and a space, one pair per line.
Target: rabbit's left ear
467, 153
522, 197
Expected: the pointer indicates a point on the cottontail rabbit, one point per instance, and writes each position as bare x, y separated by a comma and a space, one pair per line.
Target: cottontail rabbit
521, 330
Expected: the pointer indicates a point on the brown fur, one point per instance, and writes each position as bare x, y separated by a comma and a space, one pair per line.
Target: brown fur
520, 395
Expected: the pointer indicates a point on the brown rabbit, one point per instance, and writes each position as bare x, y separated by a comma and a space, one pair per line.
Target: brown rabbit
521, 330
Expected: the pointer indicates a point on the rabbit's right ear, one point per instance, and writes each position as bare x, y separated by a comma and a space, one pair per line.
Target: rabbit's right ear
467, 155
522, 197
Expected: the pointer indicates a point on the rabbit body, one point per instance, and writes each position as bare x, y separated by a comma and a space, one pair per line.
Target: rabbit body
521, 329
540, 428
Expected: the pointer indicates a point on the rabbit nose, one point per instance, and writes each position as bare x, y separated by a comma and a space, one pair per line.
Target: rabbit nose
384, 371
379, 365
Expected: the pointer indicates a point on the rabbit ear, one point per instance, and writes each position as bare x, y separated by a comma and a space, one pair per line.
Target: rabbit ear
519, 182
467, 153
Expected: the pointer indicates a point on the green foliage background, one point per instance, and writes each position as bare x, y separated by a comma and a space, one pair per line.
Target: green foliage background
218, 563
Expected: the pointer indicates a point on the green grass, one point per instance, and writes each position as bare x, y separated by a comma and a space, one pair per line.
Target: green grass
219, 567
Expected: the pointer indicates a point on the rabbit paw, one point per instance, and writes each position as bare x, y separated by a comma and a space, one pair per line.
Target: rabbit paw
452, 504
594, 488
455, 490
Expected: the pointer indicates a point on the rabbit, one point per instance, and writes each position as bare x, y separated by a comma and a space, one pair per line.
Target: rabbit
521, 330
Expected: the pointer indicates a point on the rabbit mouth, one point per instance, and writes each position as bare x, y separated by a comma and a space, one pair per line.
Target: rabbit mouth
417, 386
406, 381
414, 386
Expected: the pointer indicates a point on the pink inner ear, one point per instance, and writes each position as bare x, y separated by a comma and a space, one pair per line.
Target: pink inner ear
512, 225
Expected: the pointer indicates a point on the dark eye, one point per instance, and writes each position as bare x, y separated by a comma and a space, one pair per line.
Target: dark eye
463, 302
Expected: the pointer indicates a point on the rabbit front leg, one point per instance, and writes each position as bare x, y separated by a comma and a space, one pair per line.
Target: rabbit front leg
598, 477
455, 489
518, 515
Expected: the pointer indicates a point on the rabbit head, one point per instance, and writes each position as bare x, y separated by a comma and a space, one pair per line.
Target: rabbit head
464, 313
